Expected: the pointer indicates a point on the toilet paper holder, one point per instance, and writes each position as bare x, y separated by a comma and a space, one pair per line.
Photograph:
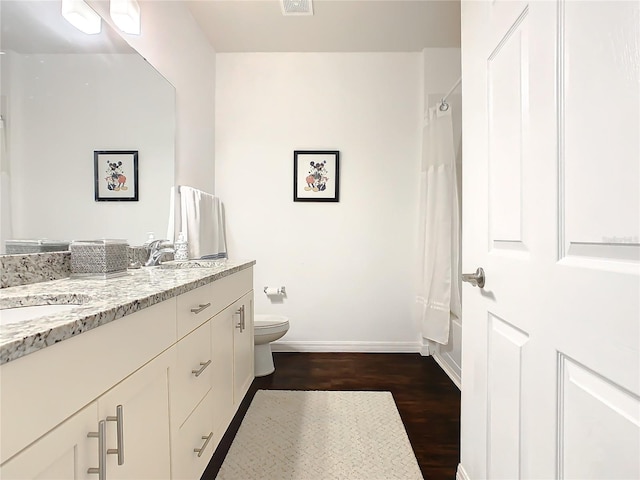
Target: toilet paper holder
275, 291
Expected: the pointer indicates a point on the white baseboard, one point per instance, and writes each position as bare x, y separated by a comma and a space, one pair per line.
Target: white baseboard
461, 473
356, 347
455, 378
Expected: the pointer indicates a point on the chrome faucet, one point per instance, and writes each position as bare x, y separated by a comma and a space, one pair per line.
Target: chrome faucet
156, 251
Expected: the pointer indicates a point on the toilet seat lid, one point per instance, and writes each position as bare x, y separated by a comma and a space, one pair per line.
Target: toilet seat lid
266, 321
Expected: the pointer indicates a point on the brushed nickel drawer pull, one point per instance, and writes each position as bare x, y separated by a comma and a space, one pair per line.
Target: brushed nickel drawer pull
101, 435
200, 450
118, 418
203, 366
200, 308
240, 324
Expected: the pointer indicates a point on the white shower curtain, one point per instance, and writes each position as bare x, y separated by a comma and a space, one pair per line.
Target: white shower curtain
439, 229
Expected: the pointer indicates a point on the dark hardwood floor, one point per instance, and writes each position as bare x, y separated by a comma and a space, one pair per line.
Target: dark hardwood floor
428, 402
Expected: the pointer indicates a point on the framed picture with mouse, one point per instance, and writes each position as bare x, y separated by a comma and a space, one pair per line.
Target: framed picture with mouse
316, 176
115, 175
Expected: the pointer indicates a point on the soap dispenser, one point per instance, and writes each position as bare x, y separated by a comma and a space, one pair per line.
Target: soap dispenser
181, 248
150, 238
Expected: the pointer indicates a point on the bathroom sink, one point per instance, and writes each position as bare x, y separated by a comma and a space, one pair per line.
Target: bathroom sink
21, 314
193, 264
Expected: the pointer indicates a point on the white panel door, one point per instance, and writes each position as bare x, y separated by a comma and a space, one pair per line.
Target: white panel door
551, 211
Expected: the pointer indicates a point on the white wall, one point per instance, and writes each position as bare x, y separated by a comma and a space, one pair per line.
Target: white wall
173, 43
348, 266
63, 107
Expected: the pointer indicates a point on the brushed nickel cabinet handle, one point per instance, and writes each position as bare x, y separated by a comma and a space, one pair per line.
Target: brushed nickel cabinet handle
240, 312
207, 439
200, 307
118, 418
203, 365
240, 325
101, 435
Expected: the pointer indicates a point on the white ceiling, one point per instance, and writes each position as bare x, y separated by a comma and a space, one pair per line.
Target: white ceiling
336, 25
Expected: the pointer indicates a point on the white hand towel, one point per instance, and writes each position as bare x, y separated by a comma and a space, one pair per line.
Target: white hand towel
171, 224
202, 223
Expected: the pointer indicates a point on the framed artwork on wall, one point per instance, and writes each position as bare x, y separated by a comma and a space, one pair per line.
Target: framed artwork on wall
115, 175
316, 175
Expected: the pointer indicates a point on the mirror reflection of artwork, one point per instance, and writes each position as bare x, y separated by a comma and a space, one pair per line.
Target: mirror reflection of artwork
115, 178
116, 175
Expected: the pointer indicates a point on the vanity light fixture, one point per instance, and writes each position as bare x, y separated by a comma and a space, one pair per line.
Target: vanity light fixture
81, 16
126, 15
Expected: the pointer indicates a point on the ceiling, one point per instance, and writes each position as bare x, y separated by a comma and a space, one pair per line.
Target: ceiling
335, 26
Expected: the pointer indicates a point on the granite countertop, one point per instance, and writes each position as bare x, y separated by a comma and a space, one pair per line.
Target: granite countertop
102, 302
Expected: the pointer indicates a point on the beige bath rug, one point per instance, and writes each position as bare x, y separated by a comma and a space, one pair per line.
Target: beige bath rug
321, 435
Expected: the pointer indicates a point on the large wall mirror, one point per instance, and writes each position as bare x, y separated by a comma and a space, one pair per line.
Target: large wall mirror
64, 95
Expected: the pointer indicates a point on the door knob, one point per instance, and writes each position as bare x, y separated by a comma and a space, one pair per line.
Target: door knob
476, 279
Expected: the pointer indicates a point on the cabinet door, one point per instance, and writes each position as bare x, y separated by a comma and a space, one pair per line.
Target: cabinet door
222, 327
242, 347
64, 453
144, 397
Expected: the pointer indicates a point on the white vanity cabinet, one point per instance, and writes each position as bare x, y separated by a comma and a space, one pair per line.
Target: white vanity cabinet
53, 398
137, 407
205, 405
162, 385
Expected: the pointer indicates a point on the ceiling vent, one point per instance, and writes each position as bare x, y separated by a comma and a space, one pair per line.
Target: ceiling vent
296, 7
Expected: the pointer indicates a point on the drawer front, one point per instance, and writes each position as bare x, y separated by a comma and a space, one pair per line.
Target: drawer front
227, 290
195, 434
199, 305
194, 308
192, 375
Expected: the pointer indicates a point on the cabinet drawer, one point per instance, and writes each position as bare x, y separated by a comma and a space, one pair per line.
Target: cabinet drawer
192, 376
194, 434
194, 308
227, 290
199, 305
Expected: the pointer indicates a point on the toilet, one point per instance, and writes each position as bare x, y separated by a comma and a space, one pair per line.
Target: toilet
267, 329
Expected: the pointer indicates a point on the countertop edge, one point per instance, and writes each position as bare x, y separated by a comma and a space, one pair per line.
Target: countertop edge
43, 337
